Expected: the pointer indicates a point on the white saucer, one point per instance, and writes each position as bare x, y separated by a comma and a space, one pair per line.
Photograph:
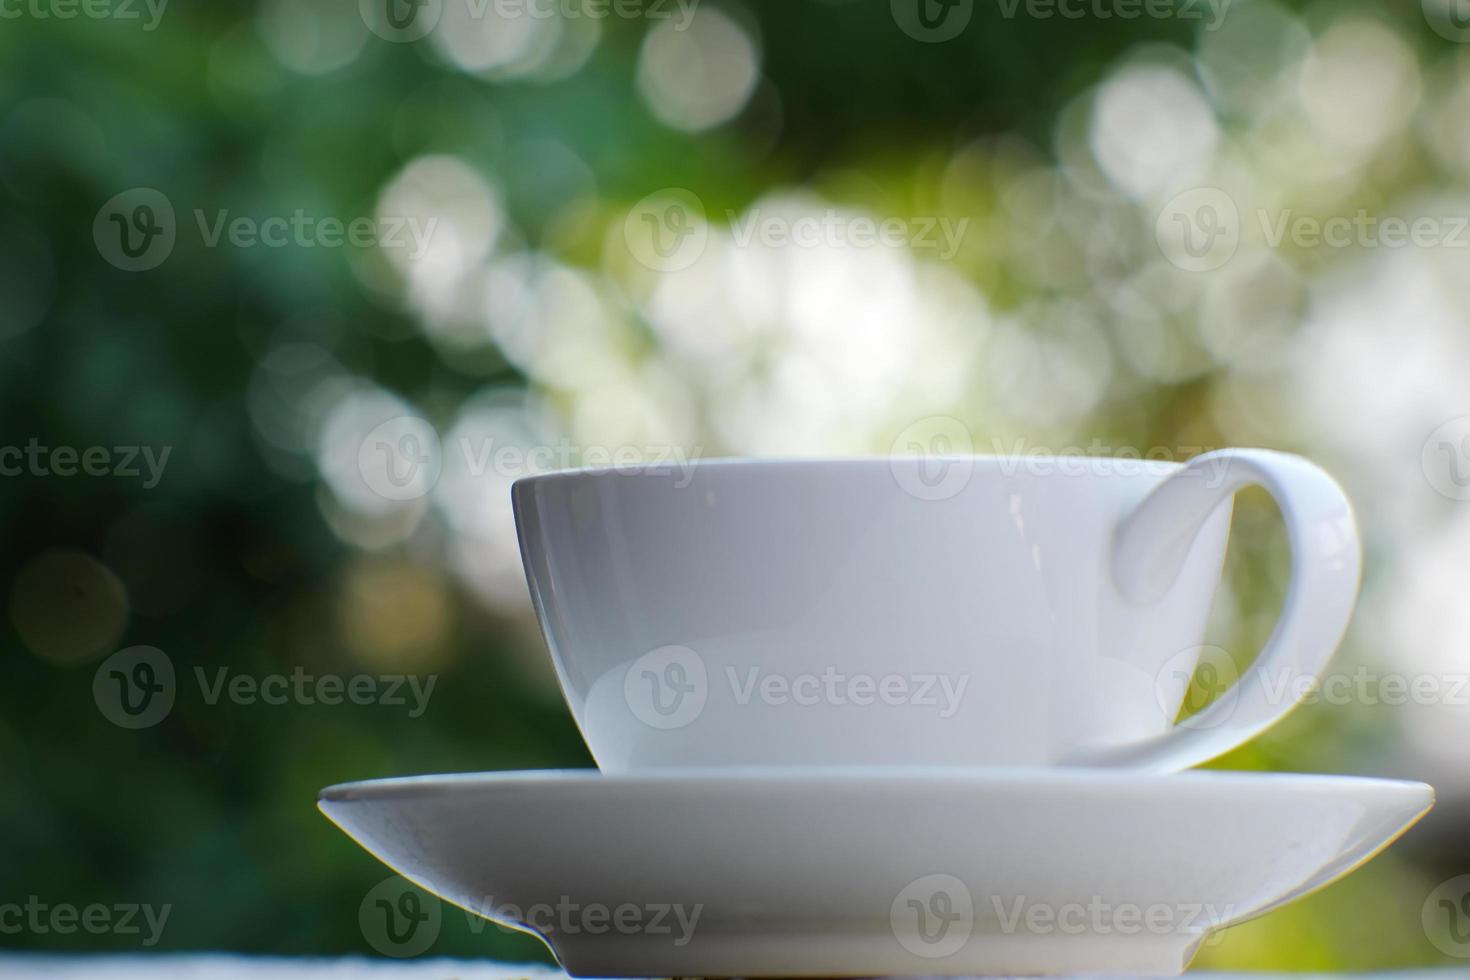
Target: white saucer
870, 872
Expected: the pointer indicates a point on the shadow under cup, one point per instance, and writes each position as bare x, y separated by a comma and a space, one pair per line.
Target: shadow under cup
859, 612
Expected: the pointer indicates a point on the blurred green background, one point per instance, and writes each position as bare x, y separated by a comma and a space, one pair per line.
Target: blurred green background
1077, 162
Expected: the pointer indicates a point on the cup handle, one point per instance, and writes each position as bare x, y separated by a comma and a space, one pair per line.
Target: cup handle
1149, 550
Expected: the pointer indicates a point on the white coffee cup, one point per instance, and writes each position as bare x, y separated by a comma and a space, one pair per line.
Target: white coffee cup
966, 611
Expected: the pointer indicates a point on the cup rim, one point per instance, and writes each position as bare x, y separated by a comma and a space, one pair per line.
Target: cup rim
1012, 465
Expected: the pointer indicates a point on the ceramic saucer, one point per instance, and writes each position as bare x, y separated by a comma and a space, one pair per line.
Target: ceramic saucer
866, 872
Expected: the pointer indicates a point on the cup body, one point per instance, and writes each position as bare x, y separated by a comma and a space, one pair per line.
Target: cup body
955, 612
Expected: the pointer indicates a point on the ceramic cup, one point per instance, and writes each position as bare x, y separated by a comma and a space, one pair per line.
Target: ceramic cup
968, 611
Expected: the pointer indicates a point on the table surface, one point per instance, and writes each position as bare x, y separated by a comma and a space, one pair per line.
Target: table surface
223, 966
227, 966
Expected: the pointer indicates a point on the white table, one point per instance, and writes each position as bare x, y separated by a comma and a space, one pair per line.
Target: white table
223, 966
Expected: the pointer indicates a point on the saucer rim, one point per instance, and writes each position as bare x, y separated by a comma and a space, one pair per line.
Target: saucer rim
780, 777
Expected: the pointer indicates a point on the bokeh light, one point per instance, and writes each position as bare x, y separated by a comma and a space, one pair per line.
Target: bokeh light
699, 75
